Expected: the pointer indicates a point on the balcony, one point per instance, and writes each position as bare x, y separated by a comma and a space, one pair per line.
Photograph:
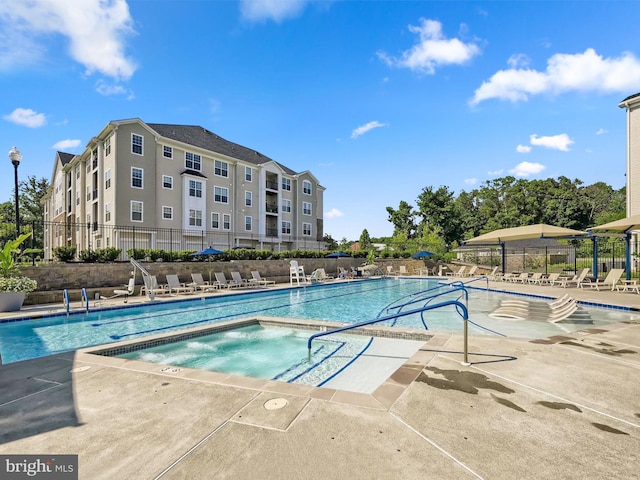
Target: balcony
95, 194
271, 232
271, 185
272, 208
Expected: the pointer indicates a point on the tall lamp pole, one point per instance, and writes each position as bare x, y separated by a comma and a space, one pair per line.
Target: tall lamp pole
16, 156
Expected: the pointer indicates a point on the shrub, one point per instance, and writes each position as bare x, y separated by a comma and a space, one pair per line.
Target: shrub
137, 253
109, 254
65, 254
154, 254
17, 284
88, 256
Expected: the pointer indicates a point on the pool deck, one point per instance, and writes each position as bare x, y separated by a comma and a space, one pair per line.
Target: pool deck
565, 407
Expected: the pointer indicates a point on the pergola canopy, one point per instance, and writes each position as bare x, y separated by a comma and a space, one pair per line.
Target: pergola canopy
622, 225
540, 230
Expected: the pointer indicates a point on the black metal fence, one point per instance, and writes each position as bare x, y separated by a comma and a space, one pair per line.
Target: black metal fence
608, 253
95, 236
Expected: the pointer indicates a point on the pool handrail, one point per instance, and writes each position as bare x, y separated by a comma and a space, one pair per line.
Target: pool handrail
85, 299
391, 305
430, 297
459, 305
460, 282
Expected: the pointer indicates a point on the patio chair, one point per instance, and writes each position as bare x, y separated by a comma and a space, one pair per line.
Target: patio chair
391, 271
199, 283
238, 280
534, 278
522, 278
123, 293
459, 273
549, 279
403, 270
319, 275
609, 281
471, 272
261, 281
493, 275
222, 281
174, 285
151, 286
575, 281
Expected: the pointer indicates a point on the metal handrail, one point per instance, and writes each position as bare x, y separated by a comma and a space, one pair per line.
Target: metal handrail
460, 282
146, 278
459, 306
430, 297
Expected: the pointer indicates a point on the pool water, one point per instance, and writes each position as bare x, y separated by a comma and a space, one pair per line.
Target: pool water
275, 353
343, 302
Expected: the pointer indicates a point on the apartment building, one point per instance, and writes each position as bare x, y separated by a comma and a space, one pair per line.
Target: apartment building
632, 104
178, 187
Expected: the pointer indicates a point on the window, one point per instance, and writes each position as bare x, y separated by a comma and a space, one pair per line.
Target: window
226, 222
221, 168
286, 184
195, 189
77, 197
306, 208
192, 161
248, 199
107, 179
136, 144
77, 173
167, 182
107, 147
94, 159
167, 152
247, 223
220, 195
286, 206
248, 174
306, 229
195, 218
286, 227
136, 177
136, 211
167, 213
107, 212
88, 193
215, 221
306, 187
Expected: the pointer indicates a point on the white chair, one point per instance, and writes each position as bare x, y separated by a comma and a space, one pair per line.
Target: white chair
609, 281
200, 283
174, 285
222, 281
237, 279
151, 286
261, 281
123, 293
296, 272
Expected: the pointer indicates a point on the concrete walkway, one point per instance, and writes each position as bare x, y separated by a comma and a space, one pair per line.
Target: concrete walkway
561, 407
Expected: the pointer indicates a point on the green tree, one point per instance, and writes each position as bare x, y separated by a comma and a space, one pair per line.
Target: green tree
438, 211
365, 240
403, 219
331, 243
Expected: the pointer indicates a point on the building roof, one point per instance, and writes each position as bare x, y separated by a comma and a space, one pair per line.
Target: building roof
203, 138
630, 97
65, 157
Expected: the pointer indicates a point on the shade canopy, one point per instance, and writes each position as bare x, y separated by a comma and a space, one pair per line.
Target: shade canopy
207, 252
337, 255
622, 225
540, 230
422, 254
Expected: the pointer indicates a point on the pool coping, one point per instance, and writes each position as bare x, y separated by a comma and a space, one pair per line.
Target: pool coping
382, 398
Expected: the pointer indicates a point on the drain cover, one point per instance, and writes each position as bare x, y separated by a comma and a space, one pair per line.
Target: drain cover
275, 404
171, 370
79, 369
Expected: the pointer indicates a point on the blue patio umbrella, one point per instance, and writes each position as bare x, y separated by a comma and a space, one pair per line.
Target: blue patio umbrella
207, 252
422, 254
337, 255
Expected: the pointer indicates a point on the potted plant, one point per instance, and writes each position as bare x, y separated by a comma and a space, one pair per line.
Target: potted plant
13, 287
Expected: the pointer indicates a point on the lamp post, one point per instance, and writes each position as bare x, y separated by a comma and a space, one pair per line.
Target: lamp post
16, 156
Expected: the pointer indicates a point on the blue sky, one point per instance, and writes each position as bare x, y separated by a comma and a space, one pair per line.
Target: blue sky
378, 99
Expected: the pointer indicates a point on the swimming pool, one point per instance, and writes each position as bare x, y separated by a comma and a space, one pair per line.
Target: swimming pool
343, 302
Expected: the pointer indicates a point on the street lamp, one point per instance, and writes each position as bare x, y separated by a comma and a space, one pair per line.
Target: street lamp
16, 156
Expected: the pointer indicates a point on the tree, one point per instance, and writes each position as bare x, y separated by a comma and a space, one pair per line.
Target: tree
403, 219
365, 240
438, 211
331, 243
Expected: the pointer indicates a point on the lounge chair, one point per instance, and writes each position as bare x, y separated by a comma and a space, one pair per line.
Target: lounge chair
222, 281
534, 278
459, 273
238, 280
564, 312
549, 279
575, 281
319, 275
610, 281
403, 270
493, 275
199, 283
123, 293
522, 278
261, 281
390, 270
471, 272
175, 286
151, 287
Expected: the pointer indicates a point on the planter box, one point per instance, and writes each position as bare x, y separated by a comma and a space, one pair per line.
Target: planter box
11, 301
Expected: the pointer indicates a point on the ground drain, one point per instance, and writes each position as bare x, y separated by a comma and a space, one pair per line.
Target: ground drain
79, 369
275, 404
171, 370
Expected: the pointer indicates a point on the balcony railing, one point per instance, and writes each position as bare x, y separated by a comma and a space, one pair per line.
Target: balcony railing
271, 232
272, 208
272, 185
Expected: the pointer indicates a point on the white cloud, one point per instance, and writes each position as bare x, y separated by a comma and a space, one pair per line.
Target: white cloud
432, 50
333, 213
523, 149
276, 10
518, 60
365, 128
107, 89
470, 181
95, 29
556, 142
495, 172
585, 72
27, 118
525, 169
601, 131
67, 144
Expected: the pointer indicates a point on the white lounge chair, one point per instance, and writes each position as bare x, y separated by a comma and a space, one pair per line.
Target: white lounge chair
459, 273
123, 293
151, 286
575, 281
222, 281
175, 286
238, 280
199, 283
261, 281
403, 270
390, 270
609, 282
